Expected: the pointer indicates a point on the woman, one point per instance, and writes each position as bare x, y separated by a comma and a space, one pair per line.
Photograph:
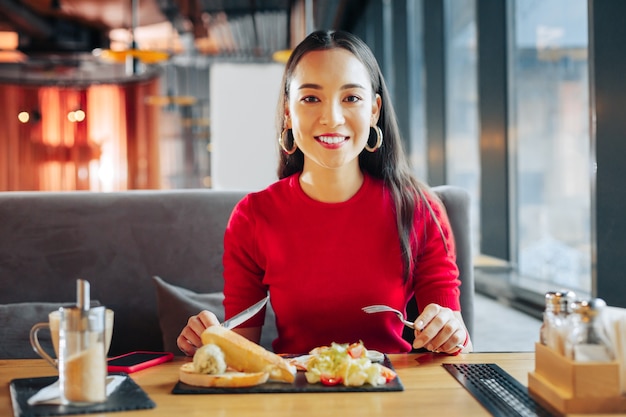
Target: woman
345, 226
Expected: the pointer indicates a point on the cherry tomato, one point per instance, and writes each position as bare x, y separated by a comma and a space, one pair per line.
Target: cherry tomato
330, 380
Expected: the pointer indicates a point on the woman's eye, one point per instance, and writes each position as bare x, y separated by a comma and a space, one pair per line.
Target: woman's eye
353, 99
310, 99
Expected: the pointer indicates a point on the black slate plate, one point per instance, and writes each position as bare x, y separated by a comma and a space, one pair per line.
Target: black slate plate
128, 396
298, 386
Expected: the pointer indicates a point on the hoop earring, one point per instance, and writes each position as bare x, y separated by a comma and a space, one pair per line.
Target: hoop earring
281, 142
379, 139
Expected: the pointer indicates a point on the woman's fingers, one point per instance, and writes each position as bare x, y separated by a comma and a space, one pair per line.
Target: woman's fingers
430, 312
439, 330
190, 337
185, 345
452, 344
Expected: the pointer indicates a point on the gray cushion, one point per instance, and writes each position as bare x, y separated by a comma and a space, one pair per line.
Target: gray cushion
117, 241
458, 206
176, 304
15, 323
456, 201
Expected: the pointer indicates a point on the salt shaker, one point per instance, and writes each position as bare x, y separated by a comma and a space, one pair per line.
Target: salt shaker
553, 328
587, 340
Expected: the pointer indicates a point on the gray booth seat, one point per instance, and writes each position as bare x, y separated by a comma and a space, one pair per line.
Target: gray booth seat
119, 242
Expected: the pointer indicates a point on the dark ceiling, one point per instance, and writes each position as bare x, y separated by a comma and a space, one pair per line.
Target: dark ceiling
82, 25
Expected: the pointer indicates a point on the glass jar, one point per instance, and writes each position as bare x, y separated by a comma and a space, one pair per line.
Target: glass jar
553, 328
587, 340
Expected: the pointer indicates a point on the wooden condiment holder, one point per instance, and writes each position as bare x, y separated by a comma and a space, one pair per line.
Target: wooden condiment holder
575, 387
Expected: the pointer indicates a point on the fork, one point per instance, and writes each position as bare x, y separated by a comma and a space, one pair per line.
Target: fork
379, 308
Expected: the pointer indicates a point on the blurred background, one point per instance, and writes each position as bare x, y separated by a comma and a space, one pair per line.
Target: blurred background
496, 96
115, 94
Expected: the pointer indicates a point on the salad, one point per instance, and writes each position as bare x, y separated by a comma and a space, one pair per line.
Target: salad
346, 364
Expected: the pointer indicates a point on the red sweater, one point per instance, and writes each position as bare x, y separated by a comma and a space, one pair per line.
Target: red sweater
322, 262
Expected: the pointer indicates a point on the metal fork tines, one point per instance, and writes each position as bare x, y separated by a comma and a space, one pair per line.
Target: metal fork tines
379, 308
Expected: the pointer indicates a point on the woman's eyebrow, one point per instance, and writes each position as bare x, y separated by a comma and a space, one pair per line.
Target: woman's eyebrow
349, 86
319, 87
310, 85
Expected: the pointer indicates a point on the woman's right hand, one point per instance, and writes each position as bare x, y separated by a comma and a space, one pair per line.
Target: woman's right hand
189, 339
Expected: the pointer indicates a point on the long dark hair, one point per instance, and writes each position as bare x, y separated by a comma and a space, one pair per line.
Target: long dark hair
389, 162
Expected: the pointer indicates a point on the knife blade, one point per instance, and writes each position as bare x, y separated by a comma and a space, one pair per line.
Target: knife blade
249, 312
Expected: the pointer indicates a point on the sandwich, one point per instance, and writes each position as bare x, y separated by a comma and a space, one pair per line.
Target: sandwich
227, 359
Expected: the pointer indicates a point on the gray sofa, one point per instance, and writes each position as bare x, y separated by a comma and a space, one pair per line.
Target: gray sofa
119, 242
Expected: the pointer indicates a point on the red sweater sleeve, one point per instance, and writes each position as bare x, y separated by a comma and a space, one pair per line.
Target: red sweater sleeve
245, 276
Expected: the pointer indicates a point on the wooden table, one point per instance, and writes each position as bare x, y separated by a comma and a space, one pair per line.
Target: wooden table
429, 390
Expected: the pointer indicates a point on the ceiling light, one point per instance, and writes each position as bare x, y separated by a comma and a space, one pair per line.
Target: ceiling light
23, 116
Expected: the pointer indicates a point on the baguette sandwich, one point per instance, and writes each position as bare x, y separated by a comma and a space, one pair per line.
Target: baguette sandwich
227, 359
245, 356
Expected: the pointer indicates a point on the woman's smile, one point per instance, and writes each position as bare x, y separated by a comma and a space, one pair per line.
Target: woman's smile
332, 141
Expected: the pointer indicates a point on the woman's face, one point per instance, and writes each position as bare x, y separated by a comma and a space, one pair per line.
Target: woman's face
331, 108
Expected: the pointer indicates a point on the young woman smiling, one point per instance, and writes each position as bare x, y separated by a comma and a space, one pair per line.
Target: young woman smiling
345, 226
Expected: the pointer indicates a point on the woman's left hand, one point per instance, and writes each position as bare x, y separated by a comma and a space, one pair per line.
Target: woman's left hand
440, 329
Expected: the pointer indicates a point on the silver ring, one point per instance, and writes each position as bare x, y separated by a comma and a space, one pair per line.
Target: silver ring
459, 346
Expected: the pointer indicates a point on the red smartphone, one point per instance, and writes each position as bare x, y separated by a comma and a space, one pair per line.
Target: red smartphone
138, 360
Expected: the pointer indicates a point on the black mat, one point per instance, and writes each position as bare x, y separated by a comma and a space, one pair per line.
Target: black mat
128, 396
298, 386
500, 393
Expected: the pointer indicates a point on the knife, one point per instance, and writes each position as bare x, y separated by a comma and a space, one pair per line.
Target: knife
245, 315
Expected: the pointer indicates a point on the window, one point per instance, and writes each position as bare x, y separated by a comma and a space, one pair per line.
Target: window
549, 142
462, 136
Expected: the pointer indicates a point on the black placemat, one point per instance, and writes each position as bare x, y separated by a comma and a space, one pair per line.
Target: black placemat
298, 386
500, 393
128, 396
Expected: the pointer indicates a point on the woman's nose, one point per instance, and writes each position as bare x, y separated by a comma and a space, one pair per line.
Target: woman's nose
332, 114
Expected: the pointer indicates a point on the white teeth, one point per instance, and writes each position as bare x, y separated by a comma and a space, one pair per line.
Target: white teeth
332, 139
